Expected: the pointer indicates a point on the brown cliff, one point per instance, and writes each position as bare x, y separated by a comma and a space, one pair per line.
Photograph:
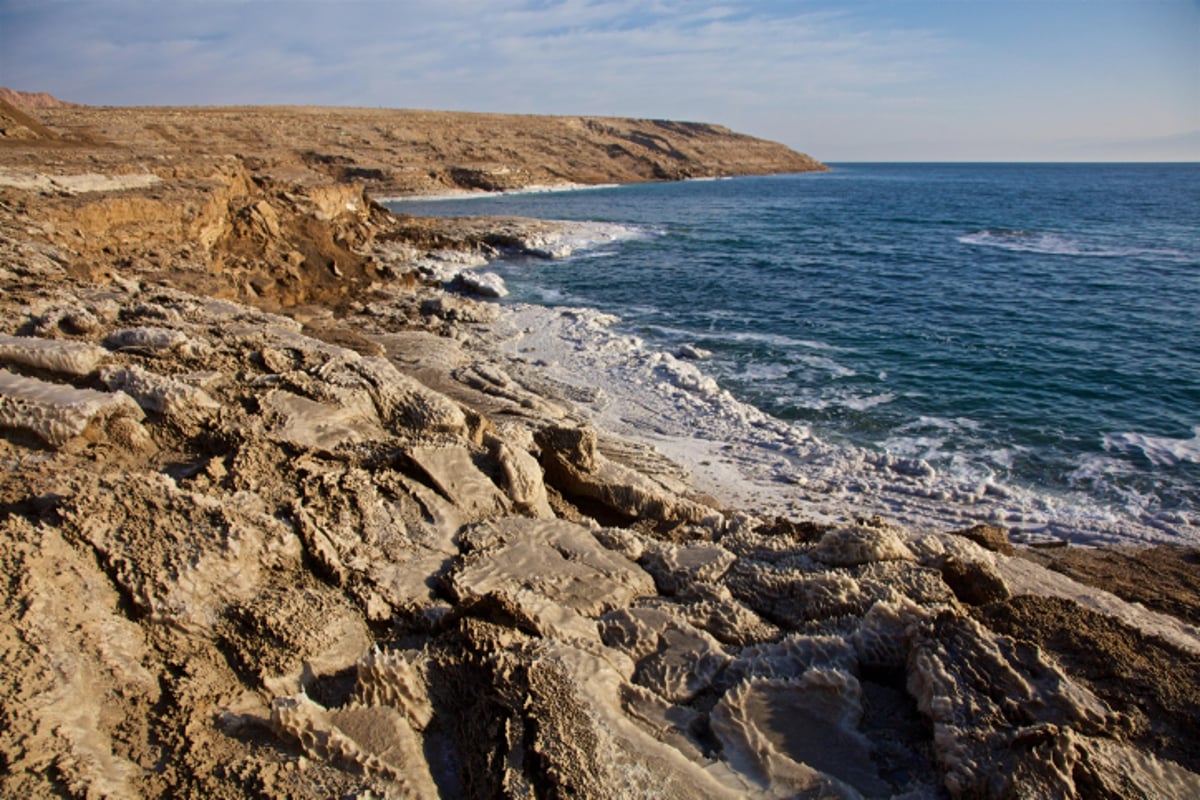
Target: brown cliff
396, 152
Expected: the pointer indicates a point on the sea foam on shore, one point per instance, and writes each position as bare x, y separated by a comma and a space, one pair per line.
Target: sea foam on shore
749, 459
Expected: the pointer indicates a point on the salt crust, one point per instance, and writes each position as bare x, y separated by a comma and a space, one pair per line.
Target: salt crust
57, 413
64, 357
609, 679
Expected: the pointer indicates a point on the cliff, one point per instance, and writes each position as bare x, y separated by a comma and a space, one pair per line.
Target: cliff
395, 152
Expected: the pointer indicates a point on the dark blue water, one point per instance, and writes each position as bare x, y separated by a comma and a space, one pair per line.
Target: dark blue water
1039, 323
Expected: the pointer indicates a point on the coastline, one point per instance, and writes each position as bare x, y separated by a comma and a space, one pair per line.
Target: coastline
337, 529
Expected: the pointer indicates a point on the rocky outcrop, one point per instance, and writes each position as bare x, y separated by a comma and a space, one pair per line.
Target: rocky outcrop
363, 554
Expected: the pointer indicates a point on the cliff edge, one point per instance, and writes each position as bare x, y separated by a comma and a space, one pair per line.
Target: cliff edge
397, 152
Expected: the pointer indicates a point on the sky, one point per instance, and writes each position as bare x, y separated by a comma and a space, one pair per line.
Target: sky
890, 80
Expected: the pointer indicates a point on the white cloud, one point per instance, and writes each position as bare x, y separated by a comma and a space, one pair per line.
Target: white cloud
829, 78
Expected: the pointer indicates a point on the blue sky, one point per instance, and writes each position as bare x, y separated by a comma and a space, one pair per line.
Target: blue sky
895, 80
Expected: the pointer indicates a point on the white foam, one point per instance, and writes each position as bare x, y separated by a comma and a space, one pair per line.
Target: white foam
1162, 451
1060, 245
753, 461
569, 236
481, 194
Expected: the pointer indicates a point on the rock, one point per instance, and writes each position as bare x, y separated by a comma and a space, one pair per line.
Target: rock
974, 582
484, 284
859, 544
375, 739
693, 353
799, 736
180, 557
460, 309
172, 398
522, 478
403, 402
553, 572
674, 659
577, 469
349, 419
1002, 715
989, 537
51, 355
793, 597
57, 413
678, 568
454, 474
147, 339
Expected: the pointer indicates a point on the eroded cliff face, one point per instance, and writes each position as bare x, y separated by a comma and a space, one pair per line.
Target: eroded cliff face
283, 525
396, 152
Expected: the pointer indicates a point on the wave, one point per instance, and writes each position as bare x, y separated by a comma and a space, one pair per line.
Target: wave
1162, 451
1056, 244
932, 473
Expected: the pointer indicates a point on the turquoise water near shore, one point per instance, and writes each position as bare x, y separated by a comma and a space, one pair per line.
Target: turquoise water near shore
1032, 326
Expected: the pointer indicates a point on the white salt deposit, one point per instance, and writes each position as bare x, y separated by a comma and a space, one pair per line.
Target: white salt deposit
748, 459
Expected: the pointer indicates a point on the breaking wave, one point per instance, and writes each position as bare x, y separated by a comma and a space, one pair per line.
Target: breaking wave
1056, 244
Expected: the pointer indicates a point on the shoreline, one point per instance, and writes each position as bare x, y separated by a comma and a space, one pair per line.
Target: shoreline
279, 522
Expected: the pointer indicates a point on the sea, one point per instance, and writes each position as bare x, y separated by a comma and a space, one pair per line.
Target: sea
940, 344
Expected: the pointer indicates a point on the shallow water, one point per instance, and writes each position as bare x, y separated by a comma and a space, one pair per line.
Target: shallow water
1019, 341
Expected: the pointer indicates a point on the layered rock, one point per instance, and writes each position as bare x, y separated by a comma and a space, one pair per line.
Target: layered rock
362, 554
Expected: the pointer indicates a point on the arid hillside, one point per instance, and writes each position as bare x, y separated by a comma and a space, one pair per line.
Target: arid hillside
397, 152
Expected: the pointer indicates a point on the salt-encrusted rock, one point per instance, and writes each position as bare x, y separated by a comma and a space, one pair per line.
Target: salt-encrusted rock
70, 319
893, 580
460, 309
1003, 717
883, 639
453, 472
288, 635
712, 608
348, 418
369, 539
575, 467
374, 739
789, 596
181, 557
484, 284
678, 568
66, 635
521, 478
172, 398
674, 659
406, 403
860, 544
155, 341
792, 656
554, 571
990, 537
388, 678
799, 737
52, 355
57, 413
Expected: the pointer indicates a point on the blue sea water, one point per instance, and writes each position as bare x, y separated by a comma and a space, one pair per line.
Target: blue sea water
1037, 324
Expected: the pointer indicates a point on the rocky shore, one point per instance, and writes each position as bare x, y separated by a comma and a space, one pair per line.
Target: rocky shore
280, 518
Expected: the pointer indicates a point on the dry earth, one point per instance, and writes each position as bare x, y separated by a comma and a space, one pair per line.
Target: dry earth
276, 520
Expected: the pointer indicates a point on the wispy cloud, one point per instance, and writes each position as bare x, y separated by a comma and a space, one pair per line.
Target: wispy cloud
629, 57
840, 79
